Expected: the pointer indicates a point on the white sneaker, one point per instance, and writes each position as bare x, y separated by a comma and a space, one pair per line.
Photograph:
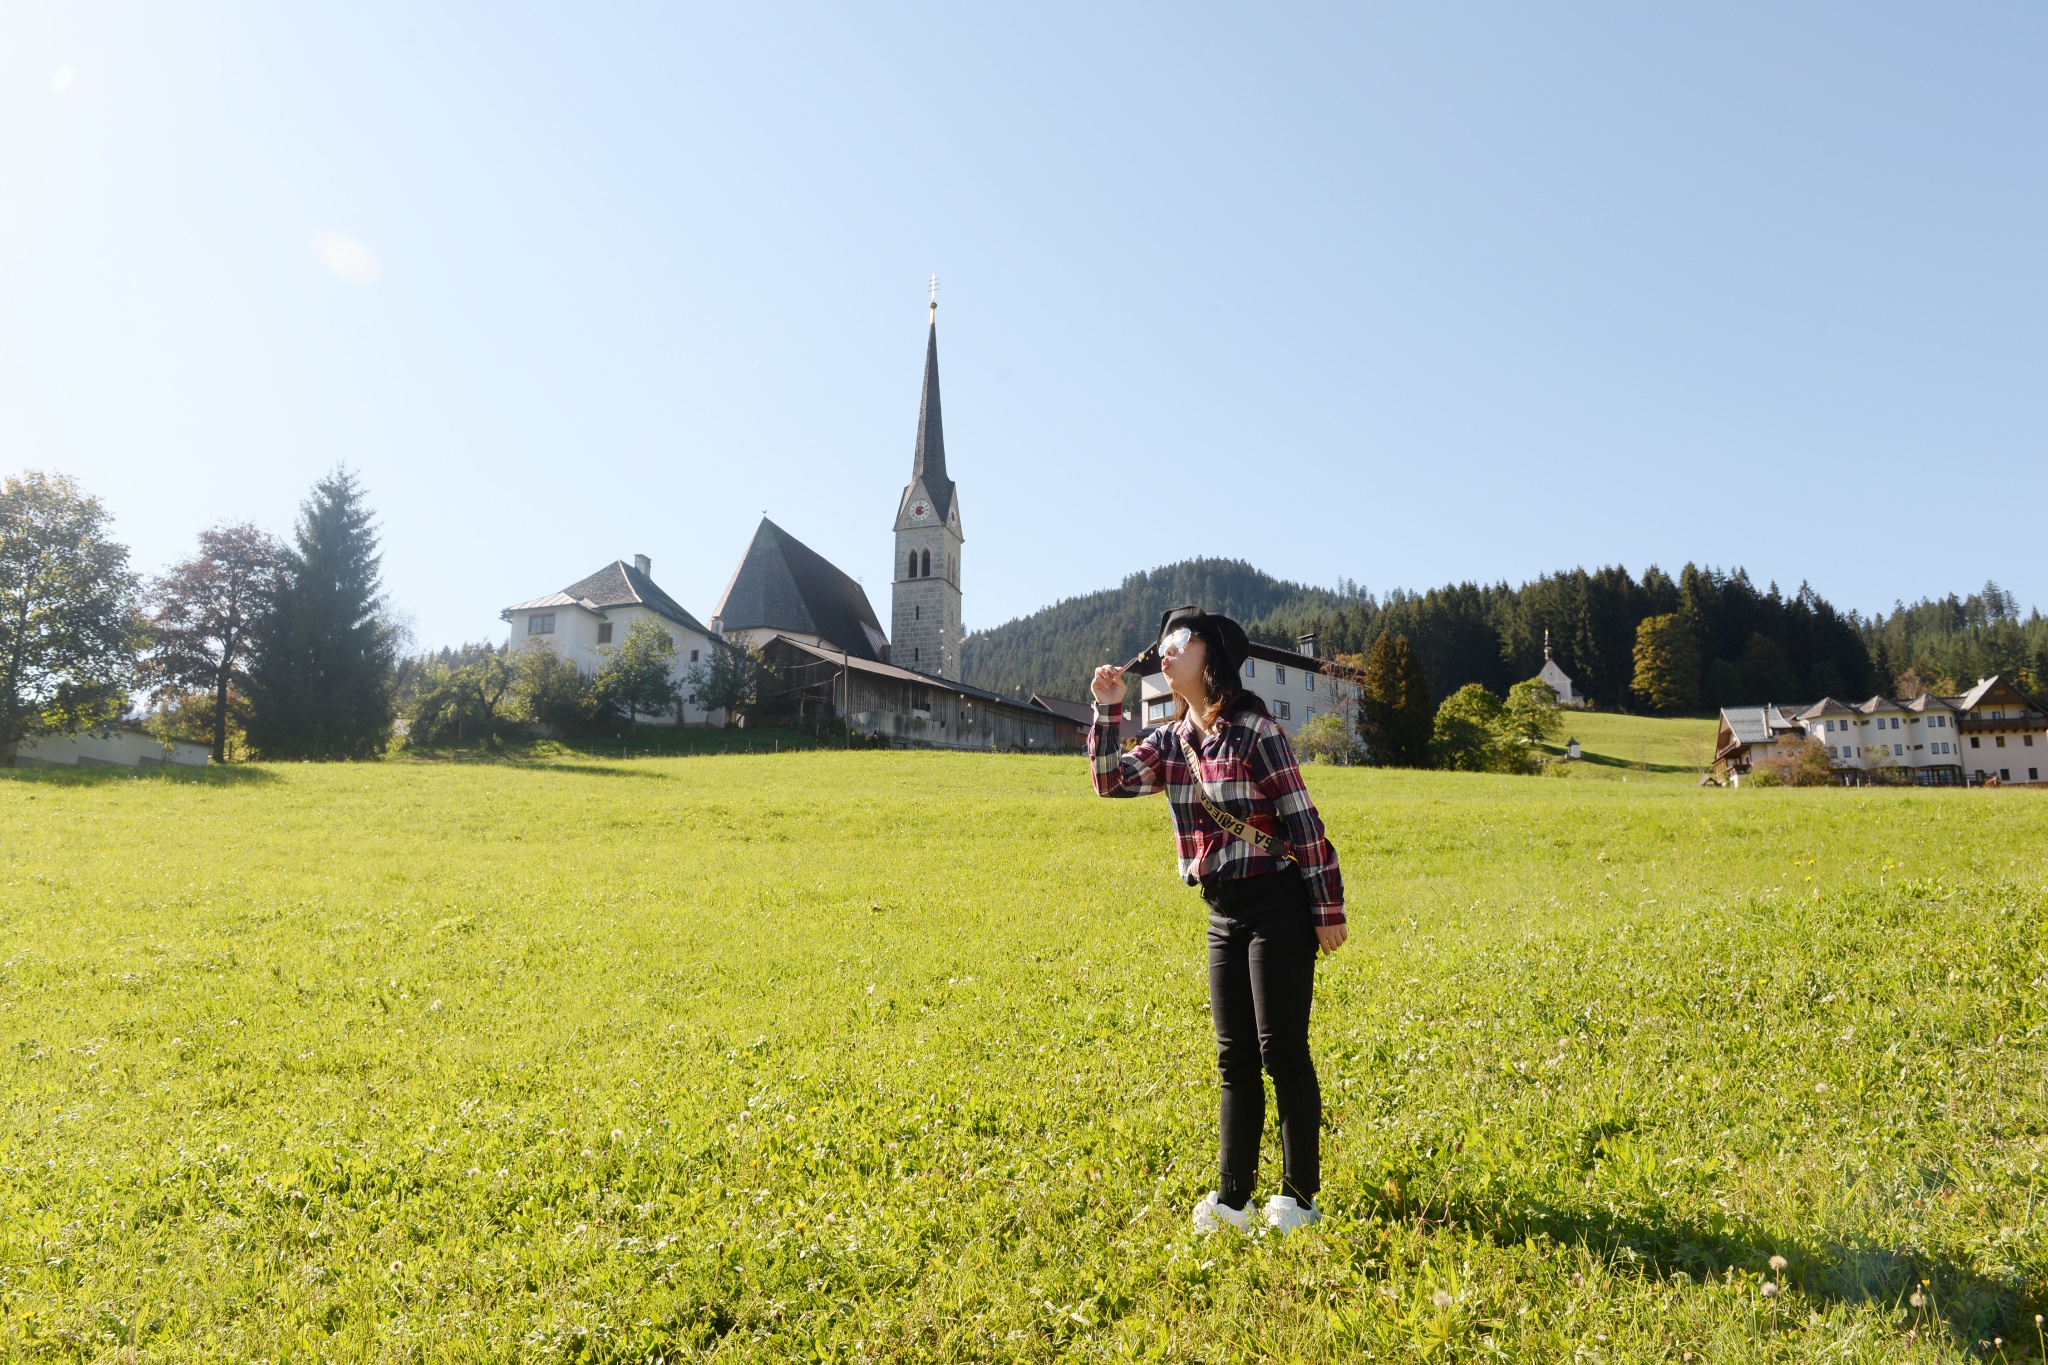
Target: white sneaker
1211, 1216
1284, 1215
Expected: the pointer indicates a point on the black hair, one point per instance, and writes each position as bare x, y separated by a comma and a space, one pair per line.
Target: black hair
1227, 697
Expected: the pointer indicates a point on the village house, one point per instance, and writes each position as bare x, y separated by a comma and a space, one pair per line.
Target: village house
586, 620
2004, 732
1925, 740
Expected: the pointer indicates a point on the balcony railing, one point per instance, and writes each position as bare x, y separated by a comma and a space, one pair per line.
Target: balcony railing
2010, 722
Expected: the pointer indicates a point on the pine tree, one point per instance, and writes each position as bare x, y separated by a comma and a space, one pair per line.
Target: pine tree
1399, 718
1667, 659
321, 679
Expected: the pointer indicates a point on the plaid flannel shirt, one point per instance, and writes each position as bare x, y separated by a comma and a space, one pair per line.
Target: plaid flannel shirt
1249, 769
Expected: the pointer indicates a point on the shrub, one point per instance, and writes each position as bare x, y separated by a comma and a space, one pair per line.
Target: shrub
1327, 739
1475, 734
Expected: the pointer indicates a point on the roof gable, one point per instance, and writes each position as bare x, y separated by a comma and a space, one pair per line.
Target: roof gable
617, 584
783, 584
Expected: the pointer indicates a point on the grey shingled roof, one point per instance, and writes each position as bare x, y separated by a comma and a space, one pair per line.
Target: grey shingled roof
1759, 724
1080, 712
783, 584
617, 584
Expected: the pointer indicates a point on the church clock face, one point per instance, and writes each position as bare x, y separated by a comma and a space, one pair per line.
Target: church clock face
920, 510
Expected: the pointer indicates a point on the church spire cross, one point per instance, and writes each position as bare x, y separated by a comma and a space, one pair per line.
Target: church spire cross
930, 461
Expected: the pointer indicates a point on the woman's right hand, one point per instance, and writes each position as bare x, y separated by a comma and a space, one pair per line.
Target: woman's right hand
1108, 687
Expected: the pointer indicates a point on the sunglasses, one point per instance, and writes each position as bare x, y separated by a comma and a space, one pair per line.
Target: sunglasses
1176, 641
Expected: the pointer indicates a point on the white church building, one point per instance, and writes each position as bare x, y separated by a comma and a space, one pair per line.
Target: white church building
815, 624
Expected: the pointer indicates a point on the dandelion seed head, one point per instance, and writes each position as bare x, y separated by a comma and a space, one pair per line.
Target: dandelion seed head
1441, 1298
618, 1133
1777, 1262
1770, 1290
1918, 1300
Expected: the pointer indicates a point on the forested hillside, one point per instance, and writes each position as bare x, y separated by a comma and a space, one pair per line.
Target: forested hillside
1056, 649
1746, 644
1944, 645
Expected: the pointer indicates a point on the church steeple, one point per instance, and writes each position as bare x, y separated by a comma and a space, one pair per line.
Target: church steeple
929, 464
925, 628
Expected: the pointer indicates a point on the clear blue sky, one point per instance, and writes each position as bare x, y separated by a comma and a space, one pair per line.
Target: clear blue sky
1400, 293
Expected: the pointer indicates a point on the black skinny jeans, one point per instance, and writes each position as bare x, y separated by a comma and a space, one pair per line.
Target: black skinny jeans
1262, 971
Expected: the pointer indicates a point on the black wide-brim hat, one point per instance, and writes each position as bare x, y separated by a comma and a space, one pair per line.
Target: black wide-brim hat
1221, 634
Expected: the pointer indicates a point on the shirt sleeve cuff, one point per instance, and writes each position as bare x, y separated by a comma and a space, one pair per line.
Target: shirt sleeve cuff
1112, 714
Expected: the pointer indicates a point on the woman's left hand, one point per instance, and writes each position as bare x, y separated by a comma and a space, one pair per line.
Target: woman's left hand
1331, 936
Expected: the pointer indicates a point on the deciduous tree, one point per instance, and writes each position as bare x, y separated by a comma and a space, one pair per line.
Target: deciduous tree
458, 703
1532, 709
69, 628
732, 680
550, 691
1667, 662
1474, 733
636, 677
321, 676
203, 615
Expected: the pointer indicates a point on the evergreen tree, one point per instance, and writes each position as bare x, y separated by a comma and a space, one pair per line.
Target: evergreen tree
1667, 660
1398, 716
321, 679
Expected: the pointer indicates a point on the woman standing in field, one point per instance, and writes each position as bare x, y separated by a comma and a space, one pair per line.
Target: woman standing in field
1249, 836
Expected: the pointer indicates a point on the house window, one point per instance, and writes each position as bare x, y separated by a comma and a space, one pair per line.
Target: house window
1159, 708
604, 632
1286, 713
541, 625
911, 572
693, 656
1309, 714
2033, 774
668, 642
1280, 674
926, 570
2005, 774
1308, 680
2027, 740
1999, 740
1898, 750
1251, 668
1975, 742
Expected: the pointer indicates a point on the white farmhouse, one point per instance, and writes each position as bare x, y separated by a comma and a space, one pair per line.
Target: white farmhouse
1917, 738
585, 620
2005, 733
1993, 732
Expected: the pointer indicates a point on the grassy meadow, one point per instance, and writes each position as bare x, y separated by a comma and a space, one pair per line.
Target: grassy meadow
1640, 748
906, 1056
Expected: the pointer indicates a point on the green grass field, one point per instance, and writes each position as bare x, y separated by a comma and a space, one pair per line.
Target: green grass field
1639, 748
905, 1056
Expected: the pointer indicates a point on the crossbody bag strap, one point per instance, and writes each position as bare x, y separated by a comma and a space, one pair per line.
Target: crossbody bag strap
1272, 845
